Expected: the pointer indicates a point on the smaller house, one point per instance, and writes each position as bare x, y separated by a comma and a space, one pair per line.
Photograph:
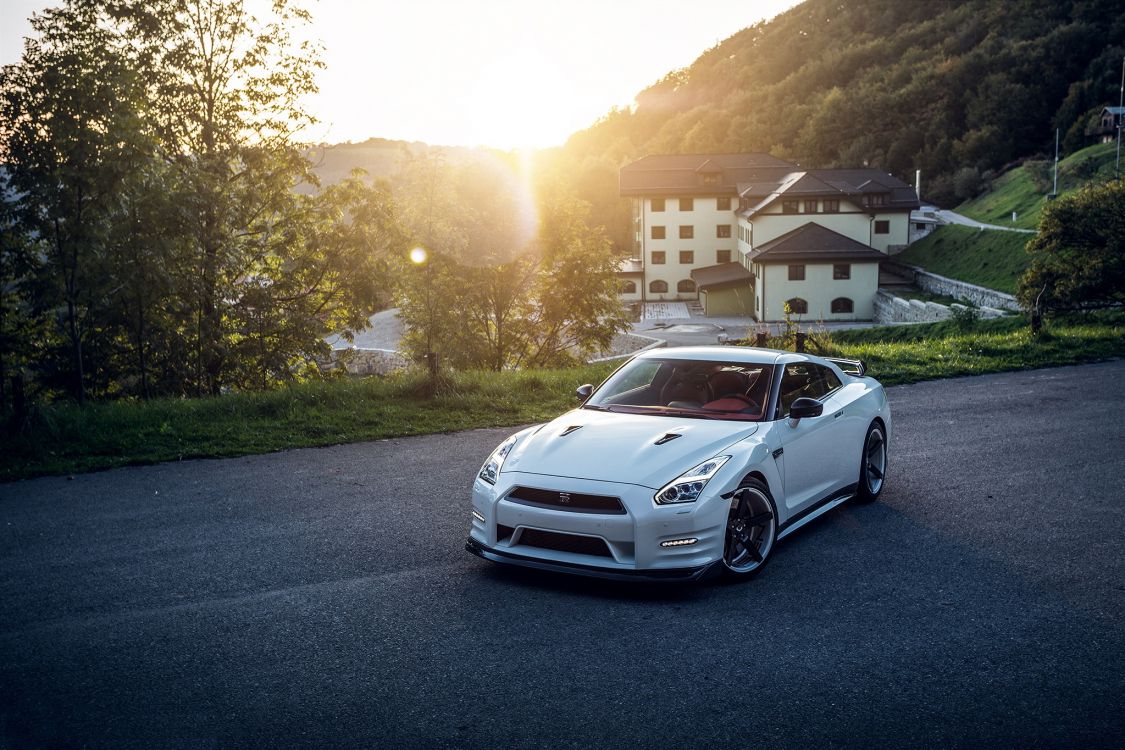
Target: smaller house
725, 289
819, 273
1110, 120
922, 222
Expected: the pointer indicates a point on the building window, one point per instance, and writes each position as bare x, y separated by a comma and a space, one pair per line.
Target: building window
790, 207
657, 257
722, 256
842, 305
798, 306
757, 303
920, 227
841, 271
687, 232
882, 226
687, 256
657, 205
797, 272
628, 287
722, 204
877, 200
810, 207
831, 206
722, 231
658, 233
658, 287
711, 178
687, 286
687, 204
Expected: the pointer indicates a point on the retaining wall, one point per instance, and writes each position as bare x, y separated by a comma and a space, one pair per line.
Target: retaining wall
892, 309
964, 291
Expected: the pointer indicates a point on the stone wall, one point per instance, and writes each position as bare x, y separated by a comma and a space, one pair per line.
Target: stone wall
892, 309
941, 285
367, 361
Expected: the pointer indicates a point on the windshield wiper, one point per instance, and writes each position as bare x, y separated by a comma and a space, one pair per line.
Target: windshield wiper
595, 407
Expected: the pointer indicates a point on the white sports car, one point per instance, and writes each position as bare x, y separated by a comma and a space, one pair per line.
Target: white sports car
683, 463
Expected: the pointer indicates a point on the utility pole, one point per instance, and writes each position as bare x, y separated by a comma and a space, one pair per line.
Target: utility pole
1120, 117
1055, 189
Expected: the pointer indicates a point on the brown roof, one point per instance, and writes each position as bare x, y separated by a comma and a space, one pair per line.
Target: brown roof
681, 174
724, 274
811, 242
757, 176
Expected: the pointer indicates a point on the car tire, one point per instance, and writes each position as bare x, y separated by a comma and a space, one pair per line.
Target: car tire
751, 530
872, 464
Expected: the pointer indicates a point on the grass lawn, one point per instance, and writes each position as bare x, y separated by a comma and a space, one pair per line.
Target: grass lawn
909, 354
63, 439
1024, 188
989, 258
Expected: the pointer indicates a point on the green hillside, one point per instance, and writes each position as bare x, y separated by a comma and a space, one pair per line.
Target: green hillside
1024, 188
956, 89
989, 257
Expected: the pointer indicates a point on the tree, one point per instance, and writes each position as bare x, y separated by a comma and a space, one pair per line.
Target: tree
507, 281
576, 310
1078, 255
226, 106
70, 119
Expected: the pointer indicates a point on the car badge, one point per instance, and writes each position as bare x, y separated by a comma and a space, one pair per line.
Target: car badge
564, 498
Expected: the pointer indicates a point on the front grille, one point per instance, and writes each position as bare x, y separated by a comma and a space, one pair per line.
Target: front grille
572, 501
581, 545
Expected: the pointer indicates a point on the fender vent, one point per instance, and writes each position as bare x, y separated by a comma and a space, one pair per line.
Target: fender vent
570, 429
669, 437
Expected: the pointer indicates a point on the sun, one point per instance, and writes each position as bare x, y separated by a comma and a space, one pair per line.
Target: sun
523, 99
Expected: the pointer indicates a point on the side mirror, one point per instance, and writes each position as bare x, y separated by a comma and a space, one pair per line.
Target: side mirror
805, 407
583, 392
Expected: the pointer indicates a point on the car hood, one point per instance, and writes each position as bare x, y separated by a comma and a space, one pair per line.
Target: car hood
623, 447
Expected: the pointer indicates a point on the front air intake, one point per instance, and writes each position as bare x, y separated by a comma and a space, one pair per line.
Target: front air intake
559, 542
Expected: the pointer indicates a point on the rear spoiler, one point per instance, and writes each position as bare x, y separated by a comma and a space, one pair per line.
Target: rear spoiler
855, 367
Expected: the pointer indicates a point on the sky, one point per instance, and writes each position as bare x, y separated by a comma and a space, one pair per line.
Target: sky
501, 73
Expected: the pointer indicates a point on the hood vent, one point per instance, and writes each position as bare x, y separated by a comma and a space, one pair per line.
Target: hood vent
570, 429
668, 437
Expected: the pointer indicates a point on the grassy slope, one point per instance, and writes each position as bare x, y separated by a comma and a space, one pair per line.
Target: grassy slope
990, 258
63, 438
1018, 190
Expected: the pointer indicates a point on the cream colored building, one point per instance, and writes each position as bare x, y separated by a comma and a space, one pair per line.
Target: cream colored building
696, 213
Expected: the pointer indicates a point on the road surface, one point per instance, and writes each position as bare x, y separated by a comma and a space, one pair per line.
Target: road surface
323, 597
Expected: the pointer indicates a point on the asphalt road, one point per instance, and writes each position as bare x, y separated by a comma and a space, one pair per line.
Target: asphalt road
322, 597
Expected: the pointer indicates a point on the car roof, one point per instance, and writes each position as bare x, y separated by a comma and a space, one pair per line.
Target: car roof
746, 354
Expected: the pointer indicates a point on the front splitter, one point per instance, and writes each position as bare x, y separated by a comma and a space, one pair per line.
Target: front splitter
660, 574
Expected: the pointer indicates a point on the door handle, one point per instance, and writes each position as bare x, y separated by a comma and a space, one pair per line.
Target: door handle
838, 414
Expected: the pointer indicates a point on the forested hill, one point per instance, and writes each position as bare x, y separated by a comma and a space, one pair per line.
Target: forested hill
955, 89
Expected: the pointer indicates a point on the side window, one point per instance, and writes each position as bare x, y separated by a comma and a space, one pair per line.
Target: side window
795, 382
804, 380
831, 382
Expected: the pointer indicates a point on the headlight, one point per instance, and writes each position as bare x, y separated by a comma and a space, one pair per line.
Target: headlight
490, 472
687, 487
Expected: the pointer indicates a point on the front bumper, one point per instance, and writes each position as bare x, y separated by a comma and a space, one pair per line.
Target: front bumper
626, 545
660, 574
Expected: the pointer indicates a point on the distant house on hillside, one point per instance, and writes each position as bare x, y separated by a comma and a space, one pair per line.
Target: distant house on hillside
1110, 120
746, 233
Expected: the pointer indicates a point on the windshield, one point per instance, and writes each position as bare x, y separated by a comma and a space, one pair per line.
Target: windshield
685, 387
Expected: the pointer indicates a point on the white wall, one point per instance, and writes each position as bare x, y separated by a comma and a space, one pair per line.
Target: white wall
852, 222
819, 289
704, 217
